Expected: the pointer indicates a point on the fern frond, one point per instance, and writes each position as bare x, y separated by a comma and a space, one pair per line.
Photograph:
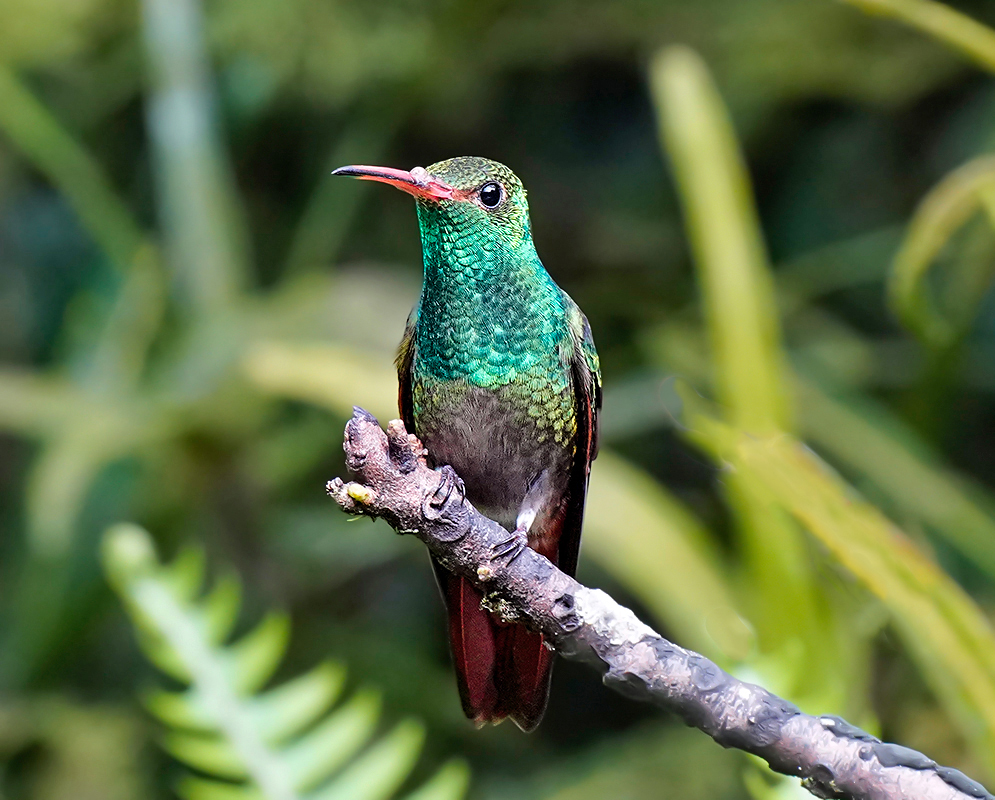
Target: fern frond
295, 741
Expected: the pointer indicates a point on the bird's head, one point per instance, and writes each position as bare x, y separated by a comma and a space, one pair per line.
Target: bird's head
460, 197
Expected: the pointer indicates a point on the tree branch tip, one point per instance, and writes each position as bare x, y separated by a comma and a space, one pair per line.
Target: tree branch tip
350, 497
335, 489
360, 413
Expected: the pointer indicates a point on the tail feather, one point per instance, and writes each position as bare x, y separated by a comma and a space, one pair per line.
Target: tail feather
523, 676
473, 639
502, 669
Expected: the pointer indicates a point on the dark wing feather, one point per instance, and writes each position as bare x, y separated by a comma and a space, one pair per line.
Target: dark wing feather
405, 358
586, 377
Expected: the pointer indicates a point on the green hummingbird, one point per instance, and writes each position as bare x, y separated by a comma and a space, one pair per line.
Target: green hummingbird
499, 378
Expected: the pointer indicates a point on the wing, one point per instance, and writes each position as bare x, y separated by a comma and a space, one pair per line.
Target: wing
586, 377
403, 362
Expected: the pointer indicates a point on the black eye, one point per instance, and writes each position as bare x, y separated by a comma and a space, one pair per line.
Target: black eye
491, 194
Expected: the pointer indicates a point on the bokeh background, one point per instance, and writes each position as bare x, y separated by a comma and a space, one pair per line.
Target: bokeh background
777, 215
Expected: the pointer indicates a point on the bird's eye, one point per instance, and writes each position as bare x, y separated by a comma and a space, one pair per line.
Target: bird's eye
491, 195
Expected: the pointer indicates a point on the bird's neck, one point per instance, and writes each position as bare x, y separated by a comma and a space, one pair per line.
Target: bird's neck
486, 305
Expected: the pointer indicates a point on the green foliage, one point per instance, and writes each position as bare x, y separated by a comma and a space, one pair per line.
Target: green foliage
945, 630
958, 198
738, 294
974, 40
294, 741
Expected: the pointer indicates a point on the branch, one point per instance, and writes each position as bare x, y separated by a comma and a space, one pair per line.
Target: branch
833, 758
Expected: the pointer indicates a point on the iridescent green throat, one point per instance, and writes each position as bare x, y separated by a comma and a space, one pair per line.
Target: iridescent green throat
489, 313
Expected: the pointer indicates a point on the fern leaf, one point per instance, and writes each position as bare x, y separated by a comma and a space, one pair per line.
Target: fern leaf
200, 789
380, 770
221, 609
287, 710
182, 710
449, 783
185, 575
296, 741
209, 754
254, 658
335, 740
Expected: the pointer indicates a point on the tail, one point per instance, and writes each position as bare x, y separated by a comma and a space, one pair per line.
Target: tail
502, 669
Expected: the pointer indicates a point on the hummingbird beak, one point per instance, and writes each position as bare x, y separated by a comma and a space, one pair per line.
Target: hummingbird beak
417, 182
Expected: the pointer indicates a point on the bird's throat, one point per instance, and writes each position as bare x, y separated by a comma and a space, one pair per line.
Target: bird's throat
489, 311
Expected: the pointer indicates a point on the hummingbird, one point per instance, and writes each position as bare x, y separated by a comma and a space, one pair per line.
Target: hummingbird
499, 378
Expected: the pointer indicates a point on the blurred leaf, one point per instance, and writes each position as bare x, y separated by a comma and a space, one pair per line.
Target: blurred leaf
185, 575
58, 483
296, 704
655, 547
747, 361
200, 210
959, 196
254, 658
960, 32
221, 609
130, 325
94, 434
335, 740
279, 744
944, 630
875, 443
725, 236
868, 438
135, 315
280, 712
773, 787
32, 404
378, 772
335, 377
70, 168
449, 783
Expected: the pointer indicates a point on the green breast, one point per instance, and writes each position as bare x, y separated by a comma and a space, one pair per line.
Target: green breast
514, 343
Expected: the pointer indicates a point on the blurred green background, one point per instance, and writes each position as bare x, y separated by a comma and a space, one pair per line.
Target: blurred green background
778, 216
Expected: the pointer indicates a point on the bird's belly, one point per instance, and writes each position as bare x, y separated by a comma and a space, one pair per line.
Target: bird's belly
496, 451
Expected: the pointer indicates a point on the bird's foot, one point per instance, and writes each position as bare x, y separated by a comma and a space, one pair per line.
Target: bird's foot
512, 547
449, 482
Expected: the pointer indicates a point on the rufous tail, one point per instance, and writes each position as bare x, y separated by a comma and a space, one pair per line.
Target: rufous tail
502, 669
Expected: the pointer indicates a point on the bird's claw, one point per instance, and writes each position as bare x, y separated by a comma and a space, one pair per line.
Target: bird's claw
449, 482
510, 548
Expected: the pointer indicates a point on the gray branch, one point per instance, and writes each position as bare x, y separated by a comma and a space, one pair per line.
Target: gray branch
831, 757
